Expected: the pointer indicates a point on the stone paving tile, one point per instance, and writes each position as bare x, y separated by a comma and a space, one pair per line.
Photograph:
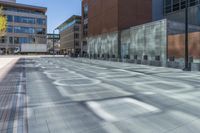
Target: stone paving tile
54, 110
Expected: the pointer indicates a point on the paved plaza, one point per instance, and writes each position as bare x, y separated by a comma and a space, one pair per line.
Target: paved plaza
65, 95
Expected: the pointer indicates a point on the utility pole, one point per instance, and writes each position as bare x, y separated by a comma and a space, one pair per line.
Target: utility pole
186, 38
54, 42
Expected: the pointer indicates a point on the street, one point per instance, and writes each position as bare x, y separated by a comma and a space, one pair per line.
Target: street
65, 95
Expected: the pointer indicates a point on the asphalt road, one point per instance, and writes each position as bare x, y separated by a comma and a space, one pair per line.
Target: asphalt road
62, 95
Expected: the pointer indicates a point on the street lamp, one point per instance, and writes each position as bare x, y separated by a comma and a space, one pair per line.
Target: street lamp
186, 38
54, 40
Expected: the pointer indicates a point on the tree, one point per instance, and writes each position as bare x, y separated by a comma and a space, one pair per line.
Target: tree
3, 22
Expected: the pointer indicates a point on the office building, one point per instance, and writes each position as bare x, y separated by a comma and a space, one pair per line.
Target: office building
26, 24
84, 28
70, 35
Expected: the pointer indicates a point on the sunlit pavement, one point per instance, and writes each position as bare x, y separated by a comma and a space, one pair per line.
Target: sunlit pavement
63, 95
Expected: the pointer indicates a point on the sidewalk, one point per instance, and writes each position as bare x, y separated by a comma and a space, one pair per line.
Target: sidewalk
6, 63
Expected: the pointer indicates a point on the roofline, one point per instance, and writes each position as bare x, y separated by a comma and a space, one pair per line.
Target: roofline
44, 9
72, 17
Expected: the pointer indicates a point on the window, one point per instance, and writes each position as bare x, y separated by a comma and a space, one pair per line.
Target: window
168, 2
193, 2
13, 9
28, 30
84, 43
19, 19
9, 29
183, 4
23, 40
85, 11
76, 36
176, 5
11, 40
76, 28
40, 31
10, 18
77, 43
41, 21
3, 39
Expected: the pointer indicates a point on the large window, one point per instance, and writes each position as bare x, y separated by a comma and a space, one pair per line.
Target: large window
11, 40
76, 36
76, 28
85, 11
24, 20
28, 30
23, 40
41, 31
9, 29
9, 18
176, 5
41, 21
23, 10
3, 39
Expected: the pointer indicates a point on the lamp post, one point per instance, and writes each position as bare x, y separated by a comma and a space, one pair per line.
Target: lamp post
54, 42
186, 38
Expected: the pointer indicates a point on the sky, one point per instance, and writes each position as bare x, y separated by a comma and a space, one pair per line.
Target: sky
58, 10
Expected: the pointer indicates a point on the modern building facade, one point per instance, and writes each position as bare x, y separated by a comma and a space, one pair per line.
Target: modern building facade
84, 27
175, 10
107, 18
70, 35
160, 42
26, 24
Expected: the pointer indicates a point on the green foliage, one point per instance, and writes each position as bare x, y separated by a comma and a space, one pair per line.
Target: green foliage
3, 22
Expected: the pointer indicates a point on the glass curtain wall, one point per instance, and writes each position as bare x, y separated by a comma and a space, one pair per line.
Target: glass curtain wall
176, 34
145, 41
105, 46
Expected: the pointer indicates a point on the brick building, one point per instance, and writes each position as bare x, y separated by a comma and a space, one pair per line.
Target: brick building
102, 17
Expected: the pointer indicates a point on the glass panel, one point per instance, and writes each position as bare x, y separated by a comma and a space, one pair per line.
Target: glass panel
10, 18
28, 30
20, 19
103, 45
41, 21
9, 29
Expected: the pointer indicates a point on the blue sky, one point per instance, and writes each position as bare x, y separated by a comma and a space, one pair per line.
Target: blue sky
58, 10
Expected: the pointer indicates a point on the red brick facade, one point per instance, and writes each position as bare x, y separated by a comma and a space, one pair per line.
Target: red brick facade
106, 16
